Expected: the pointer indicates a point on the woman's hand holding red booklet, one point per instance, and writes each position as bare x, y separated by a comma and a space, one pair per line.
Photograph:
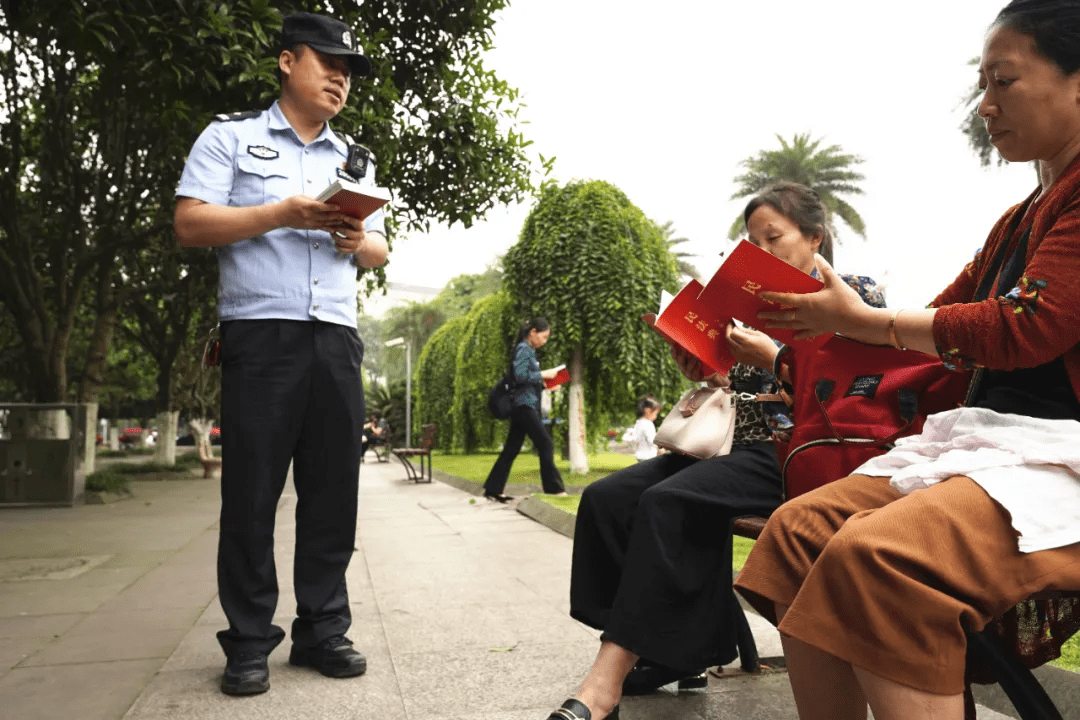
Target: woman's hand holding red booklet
696, 318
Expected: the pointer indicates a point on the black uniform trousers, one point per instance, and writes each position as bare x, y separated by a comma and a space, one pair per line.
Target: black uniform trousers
290, 392
652, 553
525, 420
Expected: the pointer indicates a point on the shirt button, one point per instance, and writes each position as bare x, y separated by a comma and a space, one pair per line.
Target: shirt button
316, 246
316, 281
316, 307
308, 182
307, 150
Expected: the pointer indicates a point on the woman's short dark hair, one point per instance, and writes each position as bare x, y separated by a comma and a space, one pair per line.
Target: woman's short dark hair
802, 206
1054, 25
646, 403
538, 324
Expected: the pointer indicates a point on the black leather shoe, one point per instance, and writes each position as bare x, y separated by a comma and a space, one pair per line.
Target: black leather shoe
499, 498
574, 709
334, 657
645, 679
246, 674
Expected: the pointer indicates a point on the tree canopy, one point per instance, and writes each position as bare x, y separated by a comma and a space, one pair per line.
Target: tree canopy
828, 170
592, 263
100, 103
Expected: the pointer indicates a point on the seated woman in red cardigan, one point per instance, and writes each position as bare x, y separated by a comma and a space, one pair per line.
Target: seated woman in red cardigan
874, 579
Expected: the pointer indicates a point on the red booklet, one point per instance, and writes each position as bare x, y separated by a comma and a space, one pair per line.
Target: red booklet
697, 317
563, 376
355, 199
685, 321
745, 273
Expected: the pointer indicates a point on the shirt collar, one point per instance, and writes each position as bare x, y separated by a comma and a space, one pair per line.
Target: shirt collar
279, 123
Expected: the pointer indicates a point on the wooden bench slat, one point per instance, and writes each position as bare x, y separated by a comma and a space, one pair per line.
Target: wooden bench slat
749, 527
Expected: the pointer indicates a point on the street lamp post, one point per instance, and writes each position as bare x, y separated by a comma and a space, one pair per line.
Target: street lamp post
397, 342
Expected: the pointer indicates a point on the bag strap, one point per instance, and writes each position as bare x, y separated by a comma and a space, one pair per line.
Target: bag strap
909, 410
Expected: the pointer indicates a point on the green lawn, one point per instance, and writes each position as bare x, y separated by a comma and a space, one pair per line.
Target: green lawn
526, 468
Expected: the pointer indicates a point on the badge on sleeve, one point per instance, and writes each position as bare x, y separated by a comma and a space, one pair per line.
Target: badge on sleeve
262, 152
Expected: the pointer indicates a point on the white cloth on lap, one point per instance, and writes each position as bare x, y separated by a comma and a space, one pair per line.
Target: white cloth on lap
1029, 465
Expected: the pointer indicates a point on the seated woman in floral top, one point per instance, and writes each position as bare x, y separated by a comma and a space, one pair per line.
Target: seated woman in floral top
652, 563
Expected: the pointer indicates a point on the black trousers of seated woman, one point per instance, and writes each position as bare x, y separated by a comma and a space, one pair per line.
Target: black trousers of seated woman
652, 553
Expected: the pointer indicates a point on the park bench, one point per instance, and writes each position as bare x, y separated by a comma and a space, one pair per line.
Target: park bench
985, 647
427, 441
381, 447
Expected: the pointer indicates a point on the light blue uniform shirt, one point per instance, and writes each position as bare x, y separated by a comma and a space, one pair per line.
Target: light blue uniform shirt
285, 274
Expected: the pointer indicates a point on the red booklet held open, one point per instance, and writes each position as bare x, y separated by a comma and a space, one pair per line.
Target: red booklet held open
563, 376
686, 322
745, 273
355, 199
697, 317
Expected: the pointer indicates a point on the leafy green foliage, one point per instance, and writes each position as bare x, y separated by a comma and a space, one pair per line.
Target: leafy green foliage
827, 170
591, 263
463, 291
436, 370
100, 102
390, 401
483, 356
107, 480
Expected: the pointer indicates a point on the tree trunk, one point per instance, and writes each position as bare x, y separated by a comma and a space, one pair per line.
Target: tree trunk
93, 376
89, 449
165, 449
579, 459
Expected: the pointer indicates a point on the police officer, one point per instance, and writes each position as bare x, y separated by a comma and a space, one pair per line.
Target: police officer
290, 354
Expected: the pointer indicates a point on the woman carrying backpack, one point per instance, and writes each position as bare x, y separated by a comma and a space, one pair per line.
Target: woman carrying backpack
652, 544
525, 416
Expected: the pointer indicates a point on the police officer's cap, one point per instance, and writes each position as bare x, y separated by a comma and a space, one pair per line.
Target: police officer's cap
325, 34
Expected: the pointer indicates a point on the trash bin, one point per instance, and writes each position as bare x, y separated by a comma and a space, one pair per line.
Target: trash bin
42, 451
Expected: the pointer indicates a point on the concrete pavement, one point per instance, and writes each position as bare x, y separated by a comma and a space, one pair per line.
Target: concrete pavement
460, 605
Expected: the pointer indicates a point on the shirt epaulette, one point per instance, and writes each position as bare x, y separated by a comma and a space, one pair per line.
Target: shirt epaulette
242, 115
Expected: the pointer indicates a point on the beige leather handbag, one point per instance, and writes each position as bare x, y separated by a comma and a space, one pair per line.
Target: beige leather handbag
701, 425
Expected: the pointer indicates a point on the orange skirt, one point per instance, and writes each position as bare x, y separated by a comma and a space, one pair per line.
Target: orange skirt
889, 583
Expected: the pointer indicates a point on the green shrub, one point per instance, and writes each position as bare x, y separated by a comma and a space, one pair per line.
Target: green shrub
107, 480
133, 452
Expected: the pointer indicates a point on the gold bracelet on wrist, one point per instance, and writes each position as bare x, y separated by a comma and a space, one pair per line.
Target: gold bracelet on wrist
893, 339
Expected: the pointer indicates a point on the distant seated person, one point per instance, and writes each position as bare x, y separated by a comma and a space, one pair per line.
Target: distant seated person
376, 432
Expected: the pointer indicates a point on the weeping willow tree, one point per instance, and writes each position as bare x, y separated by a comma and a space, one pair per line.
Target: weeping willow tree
591, 263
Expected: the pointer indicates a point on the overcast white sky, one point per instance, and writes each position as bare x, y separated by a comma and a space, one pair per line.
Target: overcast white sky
663, 99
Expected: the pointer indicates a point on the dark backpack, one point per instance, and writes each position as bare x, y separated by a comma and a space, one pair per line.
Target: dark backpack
501, 396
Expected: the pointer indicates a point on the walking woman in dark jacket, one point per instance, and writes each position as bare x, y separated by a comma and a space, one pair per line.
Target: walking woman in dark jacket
525, 417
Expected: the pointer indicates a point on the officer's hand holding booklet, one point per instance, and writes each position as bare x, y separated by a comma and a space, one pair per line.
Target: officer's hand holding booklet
696, 319
354, 199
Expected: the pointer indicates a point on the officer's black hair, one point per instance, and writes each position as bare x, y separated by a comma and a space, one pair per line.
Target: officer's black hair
296, 49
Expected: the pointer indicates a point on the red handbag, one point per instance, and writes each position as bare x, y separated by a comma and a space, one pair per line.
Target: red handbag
852, 401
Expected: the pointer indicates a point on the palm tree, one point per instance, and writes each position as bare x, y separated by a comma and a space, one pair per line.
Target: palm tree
974, 127
826, 170
682, 263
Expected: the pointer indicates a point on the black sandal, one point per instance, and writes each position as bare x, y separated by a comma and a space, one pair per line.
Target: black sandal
574, 709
